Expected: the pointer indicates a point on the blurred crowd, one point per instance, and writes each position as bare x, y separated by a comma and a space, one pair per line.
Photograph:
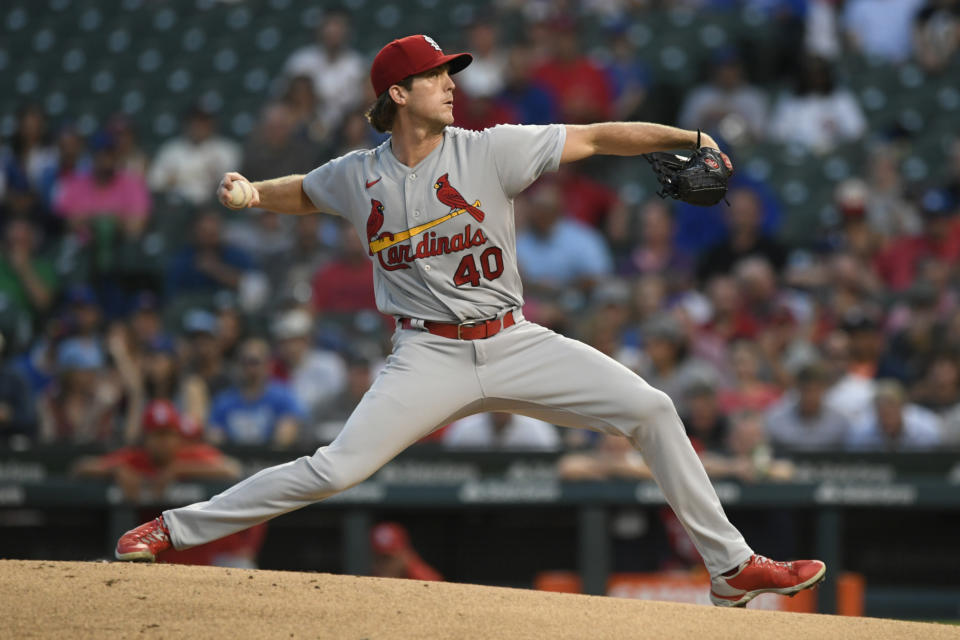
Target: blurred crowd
123, 283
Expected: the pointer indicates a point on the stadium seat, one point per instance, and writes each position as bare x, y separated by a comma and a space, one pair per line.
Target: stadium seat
119, 41
948, 100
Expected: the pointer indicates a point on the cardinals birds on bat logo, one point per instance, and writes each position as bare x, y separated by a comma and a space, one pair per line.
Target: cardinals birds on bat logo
452, 198
374, 221
446, 194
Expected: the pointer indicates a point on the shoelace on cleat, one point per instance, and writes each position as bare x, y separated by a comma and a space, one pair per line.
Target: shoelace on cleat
154, 535
767, 562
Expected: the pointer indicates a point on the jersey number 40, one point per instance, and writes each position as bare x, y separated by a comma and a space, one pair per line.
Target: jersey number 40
491, 263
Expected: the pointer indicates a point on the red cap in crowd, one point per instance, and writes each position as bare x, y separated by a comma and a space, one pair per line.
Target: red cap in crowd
409, 56
160, 415
389, 538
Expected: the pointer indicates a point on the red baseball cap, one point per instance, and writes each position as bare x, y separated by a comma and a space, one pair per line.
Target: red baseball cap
409, 56
389, 538
161, 415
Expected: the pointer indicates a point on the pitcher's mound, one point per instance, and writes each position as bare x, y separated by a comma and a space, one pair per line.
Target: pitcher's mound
99, 600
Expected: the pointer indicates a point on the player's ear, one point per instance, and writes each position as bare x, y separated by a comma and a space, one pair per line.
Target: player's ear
398, 93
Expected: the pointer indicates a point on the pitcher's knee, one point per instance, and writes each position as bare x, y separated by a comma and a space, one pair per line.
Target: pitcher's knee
656, 406
653, 409
334, 473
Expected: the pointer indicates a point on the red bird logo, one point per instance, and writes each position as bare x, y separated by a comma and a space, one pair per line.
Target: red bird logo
374, 221
452, 198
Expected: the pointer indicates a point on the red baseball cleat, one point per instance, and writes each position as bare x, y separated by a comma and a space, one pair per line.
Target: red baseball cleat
144, 542
763, 575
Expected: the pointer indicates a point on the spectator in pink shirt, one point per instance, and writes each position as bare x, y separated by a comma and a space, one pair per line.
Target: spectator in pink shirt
105, 192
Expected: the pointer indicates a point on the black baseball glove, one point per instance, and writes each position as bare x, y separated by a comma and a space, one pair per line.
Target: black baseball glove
699, 179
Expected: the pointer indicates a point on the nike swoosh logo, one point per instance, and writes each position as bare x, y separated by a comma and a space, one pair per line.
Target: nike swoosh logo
370, 184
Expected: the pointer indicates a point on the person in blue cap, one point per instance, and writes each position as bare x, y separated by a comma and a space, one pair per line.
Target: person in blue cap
82, 406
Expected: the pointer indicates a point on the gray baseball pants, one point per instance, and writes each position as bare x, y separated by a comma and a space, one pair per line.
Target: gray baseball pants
429, 381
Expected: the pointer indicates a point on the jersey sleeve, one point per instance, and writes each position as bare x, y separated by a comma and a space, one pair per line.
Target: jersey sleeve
522, 153
326, 185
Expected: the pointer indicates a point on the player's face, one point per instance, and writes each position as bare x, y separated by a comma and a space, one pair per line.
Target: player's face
430, 97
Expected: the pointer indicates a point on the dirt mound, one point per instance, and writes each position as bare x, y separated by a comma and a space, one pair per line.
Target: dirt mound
97, 600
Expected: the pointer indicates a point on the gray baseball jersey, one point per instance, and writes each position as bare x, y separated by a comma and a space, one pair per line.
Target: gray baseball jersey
442, 237
441, 234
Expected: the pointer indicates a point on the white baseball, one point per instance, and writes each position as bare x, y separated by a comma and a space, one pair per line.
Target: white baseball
241, 194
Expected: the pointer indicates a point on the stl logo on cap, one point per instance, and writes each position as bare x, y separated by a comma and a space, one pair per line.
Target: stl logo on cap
385, 537
389, 538
409, 56
161, 414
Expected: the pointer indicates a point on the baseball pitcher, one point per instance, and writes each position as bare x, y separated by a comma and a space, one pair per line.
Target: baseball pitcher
434, 205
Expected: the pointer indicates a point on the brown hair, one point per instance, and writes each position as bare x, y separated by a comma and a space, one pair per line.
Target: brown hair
383, 112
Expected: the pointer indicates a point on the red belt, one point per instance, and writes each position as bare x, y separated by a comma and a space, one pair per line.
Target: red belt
466, 330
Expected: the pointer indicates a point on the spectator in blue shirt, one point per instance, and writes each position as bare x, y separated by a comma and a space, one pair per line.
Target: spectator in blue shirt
258, 411
207, 265
629, 77
17, 419
699, 228
531, 103
893, 424
555, 252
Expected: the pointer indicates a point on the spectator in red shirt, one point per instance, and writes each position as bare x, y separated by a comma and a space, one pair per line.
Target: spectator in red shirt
899, 262
481, 112
344, 284
587, 200
759, 291
580, 87
748, 391
167, 455
395, 557
729, 318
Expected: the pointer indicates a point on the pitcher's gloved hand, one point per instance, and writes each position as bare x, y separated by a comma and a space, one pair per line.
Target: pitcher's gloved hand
699, 179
